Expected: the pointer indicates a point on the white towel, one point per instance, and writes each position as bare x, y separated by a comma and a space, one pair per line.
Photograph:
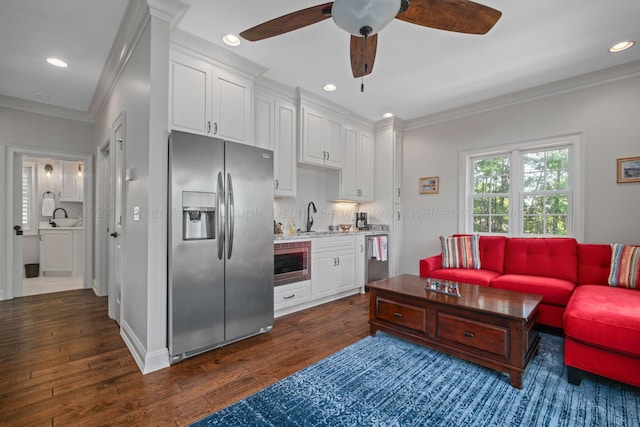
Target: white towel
373, 247
48, 205
383, 248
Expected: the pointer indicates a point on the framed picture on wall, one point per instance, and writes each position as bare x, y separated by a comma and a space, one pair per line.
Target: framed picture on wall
429, 185
629, 169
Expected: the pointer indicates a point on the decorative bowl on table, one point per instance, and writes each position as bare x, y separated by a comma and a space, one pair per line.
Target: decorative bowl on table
333, 228
345, 227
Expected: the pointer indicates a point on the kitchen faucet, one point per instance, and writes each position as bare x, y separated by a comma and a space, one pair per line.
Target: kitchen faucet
309, 217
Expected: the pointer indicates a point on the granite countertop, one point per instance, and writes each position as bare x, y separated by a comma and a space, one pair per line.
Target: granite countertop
377, 229
48, 227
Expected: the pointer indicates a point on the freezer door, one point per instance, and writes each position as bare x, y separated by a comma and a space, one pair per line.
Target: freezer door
196, 275
249, 242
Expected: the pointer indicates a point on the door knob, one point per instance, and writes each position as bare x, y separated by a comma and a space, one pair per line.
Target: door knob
114, 234
18, 229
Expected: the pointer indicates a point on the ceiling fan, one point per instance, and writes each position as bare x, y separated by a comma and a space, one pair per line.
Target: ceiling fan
363, 19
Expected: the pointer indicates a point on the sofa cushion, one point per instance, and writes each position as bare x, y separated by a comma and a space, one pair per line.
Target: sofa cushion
554, 291
625, 266
547, 257
465, 275
594, 264
605, 317
460, 252
491, 250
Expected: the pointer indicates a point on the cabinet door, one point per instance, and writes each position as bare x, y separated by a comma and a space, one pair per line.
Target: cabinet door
350, 166
360, 261
346, 271
312, 144
71, 183
397, 167
333, 143
263, 127
365, 168
56, 251
285, 149
232, 107
322, 275
190, 95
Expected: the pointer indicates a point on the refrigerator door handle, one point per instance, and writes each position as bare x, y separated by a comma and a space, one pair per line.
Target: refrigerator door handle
230, 215
220, 215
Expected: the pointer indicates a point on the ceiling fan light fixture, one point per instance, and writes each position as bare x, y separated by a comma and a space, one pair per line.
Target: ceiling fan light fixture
329, 87
354, 15
619, 47
231, 40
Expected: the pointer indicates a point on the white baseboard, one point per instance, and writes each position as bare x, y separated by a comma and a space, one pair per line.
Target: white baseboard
147, 362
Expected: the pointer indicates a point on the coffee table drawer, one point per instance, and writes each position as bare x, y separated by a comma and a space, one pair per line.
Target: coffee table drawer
408, 316
472, 333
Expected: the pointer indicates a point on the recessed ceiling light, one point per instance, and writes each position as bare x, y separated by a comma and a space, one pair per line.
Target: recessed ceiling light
57, 62
387, 115
619, 47
329, 87
231, 40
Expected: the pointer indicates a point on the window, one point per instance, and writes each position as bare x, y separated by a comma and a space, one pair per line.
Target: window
29, 213
524, 190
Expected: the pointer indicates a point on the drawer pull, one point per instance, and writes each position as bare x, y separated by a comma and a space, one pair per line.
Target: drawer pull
289, 297
397, 314
468, 334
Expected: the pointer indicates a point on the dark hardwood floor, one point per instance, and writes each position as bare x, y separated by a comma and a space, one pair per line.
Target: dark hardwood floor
63, 363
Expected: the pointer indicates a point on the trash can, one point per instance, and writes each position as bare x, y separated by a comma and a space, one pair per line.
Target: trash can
32, 270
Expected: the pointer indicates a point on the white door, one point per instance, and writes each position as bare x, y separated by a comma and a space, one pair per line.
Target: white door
16, 232
103, 199
115, 229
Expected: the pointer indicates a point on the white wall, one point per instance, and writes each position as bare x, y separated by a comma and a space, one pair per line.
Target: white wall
32, 130
605, 115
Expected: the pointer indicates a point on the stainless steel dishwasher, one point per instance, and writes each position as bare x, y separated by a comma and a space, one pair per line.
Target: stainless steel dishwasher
377, 257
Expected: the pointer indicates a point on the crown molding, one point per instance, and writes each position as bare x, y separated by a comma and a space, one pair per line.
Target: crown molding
572, 84
46, 109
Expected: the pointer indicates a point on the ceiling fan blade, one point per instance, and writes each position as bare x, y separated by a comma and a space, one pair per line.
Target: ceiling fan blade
289, 22
461, 16
363, 54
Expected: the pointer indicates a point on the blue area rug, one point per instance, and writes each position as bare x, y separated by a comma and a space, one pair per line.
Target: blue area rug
386, 381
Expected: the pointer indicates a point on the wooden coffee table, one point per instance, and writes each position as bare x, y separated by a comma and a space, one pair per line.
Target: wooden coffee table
492, 327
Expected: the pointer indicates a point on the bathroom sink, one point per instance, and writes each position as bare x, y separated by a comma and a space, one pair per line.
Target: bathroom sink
66, 222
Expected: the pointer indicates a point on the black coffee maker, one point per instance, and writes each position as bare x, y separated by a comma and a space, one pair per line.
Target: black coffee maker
361, 221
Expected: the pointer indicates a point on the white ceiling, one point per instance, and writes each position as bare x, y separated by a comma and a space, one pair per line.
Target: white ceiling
418, 71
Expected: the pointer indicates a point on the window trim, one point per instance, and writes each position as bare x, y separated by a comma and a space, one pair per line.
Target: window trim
32, 228
576, 170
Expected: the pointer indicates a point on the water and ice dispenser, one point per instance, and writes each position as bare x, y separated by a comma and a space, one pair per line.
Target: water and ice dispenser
198, 215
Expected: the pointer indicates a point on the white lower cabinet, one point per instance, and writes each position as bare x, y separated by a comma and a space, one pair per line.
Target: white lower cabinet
285, 296
56, 250
334, 261
360, 262
333, 268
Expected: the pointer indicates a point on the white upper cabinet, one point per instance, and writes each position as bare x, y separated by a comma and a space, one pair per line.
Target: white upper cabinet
275, 129
355, 181
321, 141
207, 100
71, 182
190, 94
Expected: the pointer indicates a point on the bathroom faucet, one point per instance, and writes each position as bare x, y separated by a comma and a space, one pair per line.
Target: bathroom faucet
59, 209
309, 217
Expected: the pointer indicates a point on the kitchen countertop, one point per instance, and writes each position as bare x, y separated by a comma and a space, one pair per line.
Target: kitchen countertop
380, 229
48, 227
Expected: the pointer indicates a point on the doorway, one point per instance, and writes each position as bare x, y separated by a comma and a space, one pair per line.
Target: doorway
14, 251
53, 231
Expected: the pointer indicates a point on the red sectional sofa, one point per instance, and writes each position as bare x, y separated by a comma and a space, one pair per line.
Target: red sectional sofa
601, 323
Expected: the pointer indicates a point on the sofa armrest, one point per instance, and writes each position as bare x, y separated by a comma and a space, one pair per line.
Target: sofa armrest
427, 265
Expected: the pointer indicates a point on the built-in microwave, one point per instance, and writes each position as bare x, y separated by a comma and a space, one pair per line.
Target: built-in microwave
292, 262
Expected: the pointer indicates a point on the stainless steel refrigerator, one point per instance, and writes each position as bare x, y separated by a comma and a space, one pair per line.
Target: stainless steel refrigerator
220, 243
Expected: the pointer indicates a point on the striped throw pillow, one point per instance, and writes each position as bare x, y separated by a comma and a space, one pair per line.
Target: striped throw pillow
460, 252
625, 266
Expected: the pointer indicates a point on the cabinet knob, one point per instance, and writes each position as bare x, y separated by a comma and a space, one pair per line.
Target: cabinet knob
397, 314
468, 334
209, 127
277, 184
215, 128
327, 155
398, 191
114, 234
289, 297
18, 230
